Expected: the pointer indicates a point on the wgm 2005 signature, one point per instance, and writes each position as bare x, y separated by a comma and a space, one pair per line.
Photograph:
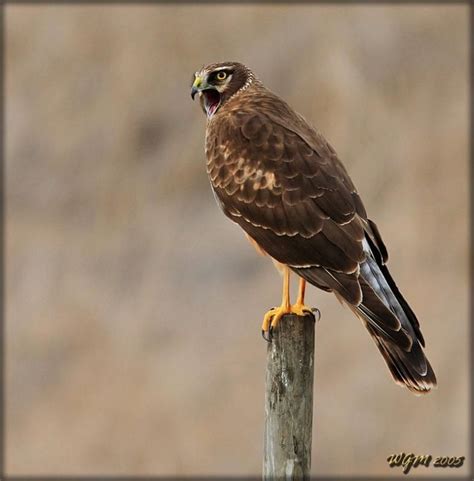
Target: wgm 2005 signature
408, 461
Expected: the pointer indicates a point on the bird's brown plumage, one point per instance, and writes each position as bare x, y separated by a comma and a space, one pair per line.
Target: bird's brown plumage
280, 180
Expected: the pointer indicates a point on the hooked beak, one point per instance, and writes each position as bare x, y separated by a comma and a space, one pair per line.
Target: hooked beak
197, 86
208, 95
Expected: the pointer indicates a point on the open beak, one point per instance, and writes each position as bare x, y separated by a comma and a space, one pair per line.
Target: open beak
208, 95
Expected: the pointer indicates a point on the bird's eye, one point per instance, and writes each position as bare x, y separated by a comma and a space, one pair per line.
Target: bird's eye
221, 75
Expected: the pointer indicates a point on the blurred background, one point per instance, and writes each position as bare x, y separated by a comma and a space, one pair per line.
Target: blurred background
133, 306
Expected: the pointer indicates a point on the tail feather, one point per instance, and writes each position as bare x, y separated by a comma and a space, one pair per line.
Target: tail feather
381, 264
406, 368
381, 318
373, 295
381, 297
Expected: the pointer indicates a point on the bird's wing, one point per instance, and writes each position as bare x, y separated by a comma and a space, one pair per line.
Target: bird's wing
284, 185
278, 187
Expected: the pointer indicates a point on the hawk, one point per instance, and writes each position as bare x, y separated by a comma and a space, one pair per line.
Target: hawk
284, 185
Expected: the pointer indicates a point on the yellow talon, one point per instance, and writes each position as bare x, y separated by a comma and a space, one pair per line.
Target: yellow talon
301, 309
273, 316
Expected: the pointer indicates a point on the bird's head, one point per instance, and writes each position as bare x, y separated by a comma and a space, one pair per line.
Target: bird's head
218, 82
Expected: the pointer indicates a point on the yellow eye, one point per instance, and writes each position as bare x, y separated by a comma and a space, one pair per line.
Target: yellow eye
221, 75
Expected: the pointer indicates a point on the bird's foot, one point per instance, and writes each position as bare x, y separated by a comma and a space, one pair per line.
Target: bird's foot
301, 309
271, 320
274, 315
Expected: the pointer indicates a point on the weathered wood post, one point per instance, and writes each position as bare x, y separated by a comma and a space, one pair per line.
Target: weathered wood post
289, 400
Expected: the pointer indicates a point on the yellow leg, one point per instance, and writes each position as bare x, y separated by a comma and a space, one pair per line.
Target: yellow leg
301, 291
273, 316
300, 308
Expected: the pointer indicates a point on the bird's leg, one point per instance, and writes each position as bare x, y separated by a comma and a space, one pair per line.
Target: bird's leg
300, 308
273, 316
301, 291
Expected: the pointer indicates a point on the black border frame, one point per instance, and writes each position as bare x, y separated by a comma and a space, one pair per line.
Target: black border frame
3, 4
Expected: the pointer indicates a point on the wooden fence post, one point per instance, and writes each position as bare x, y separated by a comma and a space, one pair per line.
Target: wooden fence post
289, 400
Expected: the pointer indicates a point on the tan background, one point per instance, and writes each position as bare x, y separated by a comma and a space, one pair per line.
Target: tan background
134, 307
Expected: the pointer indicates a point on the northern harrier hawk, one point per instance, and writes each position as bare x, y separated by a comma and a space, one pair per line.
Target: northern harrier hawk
280, 180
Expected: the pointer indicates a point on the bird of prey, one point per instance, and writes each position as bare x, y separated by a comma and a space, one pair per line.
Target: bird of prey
280, 180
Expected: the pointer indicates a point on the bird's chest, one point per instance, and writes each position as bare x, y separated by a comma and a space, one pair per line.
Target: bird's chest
233, 167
